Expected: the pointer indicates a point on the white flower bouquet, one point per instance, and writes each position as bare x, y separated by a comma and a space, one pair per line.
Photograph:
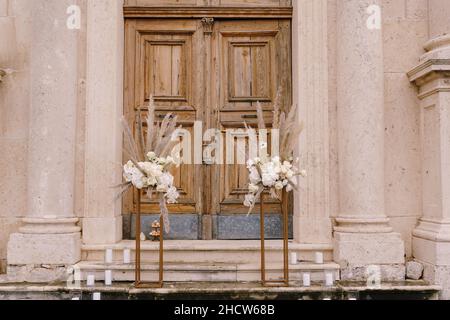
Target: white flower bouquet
276, 173
149, 165
272, 174
152, 175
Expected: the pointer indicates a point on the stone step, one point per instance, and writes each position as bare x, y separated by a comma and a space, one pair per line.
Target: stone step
221, 251
415, 290
202, 272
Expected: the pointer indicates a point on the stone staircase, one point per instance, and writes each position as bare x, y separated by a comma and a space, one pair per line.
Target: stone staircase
207, 261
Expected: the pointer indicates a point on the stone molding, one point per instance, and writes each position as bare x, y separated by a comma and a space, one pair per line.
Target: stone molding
50, 226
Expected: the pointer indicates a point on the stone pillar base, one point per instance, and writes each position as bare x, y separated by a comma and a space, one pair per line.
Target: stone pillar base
360, 254
42, 258
37, 274
435, 256
44, 249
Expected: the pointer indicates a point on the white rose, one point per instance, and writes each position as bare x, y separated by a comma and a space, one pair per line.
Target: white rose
254, 176
166, 179
139, 180
287, 164
290, 174
151, 181
162, 188
279, 185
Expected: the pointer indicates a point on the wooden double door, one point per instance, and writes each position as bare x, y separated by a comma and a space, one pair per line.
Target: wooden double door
210, 73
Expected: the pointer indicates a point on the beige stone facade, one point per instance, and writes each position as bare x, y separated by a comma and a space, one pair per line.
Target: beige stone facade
375, 103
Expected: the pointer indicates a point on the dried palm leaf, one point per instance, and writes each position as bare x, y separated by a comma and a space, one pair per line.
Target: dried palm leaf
290, 133
252, 141
261, 121
150, 124
163, 128
123, 190
130, 142
140, 133
277, 109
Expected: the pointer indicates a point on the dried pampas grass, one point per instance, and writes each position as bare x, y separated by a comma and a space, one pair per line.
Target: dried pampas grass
289, 129
160, 139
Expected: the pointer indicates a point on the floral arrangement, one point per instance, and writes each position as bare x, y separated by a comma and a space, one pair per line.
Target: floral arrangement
272, 174
154, 175
276, 173
149, 165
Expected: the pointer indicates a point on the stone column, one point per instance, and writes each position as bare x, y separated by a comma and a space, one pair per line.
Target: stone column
105, 36
363, 236
312, 222
49, 234
431, 238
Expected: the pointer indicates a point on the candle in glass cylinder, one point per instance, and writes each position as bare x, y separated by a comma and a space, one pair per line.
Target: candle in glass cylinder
108, 277
127, 256
329, 280
294, 258
108, 256
97, 296
90, 281
306, 279
319, 258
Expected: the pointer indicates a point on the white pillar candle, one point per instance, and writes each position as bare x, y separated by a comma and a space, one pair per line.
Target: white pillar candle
306, 279
108, 256
97, 296
127, 256
294, 258
108, 277
319, 258
90, 281
329, 279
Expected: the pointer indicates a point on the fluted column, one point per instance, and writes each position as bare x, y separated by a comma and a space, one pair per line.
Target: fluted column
362, 234
312, 222
102, 223
431, 238
49, 234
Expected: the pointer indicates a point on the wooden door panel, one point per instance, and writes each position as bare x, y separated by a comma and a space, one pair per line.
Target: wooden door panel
165, 55
254, 60
249, 72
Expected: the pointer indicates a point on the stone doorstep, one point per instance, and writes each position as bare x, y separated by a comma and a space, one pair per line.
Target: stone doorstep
201, 272
341, 291
247, 251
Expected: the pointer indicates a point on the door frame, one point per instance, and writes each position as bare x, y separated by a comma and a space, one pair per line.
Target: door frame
102, 221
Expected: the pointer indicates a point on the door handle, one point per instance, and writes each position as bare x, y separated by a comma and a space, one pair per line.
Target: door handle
249, 116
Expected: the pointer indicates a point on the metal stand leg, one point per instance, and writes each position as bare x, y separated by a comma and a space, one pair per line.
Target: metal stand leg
138, 282
285, 216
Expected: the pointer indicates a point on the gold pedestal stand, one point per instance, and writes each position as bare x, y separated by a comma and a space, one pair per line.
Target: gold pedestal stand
285, 281
138, 282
